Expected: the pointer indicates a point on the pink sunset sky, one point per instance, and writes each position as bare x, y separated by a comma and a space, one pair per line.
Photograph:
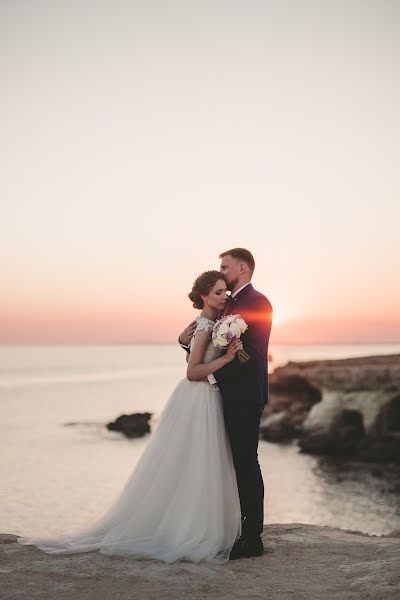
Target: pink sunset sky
141, 139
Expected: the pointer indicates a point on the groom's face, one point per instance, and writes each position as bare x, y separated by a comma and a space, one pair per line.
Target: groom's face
230, 267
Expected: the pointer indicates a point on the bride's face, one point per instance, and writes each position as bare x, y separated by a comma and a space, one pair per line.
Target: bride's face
217, 296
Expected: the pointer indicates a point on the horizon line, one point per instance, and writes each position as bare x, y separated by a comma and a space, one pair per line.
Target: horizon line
164, 343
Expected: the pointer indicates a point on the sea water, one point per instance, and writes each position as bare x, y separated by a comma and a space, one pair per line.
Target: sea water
60, 467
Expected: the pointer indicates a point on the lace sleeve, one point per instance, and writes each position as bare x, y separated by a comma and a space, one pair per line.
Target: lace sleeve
203, 323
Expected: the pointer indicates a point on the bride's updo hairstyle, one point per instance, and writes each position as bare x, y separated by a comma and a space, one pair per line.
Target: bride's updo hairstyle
203, 285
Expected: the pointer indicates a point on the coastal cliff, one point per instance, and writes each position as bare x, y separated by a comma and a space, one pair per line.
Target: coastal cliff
303, 562
348, 407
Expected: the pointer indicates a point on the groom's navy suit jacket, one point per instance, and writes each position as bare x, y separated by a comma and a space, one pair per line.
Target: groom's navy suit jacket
244, 390
248, 382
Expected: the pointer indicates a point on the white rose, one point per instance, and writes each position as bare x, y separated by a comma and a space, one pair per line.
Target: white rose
221, 341
235, 329
230, 319
224, 328
241, 324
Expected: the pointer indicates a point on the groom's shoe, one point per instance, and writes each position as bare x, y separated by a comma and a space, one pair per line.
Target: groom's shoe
252, 547
237, 550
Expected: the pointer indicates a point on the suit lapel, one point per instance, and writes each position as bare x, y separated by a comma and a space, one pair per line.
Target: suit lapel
231, 306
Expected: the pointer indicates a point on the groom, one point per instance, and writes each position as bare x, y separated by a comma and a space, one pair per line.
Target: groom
244, 390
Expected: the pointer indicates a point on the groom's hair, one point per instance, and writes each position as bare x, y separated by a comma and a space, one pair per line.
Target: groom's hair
241, 254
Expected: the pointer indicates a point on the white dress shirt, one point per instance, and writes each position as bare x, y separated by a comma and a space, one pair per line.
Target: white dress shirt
239, 290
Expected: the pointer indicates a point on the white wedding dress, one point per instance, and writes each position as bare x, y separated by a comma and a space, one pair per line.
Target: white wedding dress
181, 501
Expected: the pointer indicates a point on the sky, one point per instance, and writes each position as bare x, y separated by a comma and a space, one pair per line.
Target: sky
139, 140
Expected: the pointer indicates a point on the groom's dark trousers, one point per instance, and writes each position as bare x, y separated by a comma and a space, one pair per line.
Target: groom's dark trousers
244, 389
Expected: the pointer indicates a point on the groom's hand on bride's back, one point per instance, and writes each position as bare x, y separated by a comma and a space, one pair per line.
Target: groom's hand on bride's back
187, 334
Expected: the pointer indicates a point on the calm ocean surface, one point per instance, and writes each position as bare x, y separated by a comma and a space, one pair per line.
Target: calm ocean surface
60, 466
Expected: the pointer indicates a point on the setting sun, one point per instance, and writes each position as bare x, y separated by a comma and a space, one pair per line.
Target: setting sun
276, 317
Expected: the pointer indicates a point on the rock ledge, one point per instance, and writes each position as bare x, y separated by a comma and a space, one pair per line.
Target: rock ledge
348, 407
303, 562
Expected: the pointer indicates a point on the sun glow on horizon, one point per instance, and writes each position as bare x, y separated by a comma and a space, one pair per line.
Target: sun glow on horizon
276, 317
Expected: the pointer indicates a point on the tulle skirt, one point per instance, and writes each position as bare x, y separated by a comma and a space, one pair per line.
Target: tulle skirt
181, 501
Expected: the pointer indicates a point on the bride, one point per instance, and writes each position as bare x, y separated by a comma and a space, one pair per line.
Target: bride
181, 501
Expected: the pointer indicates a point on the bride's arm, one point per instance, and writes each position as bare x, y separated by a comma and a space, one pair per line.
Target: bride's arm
196, 369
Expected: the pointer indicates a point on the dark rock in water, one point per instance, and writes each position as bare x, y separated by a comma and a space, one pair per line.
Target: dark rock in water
359, 424
290, 400
348, 429
134, 425
318, 441
348, 407
386, 449
342, 439
278, 427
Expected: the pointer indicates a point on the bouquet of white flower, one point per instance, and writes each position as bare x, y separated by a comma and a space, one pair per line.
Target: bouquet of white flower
227, 329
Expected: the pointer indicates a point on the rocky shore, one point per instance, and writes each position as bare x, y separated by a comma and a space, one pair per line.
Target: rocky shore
303, 562
348, 407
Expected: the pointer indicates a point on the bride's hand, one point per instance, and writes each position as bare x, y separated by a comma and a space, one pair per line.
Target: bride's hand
233, 348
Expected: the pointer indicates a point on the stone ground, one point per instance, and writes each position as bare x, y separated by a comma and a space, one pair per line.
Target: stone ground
302, 562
